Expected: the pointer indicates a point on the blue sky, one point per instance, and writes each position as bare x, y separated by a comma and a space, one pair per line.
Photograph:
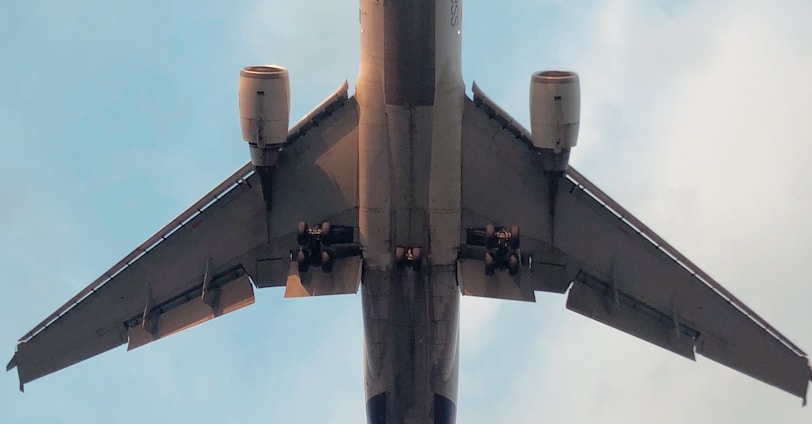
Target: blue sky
114, 117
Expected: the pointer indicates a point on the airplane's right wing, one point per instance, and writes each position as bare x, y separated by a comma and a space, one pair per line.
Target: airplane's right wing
617, 271
202, 264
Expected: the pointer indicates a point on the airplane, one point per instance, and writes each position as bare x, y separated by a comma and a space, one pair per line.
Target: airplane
485, 257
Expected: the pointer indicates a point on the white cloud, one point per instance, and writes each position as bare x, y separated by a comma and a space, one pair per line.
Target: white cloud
475, 314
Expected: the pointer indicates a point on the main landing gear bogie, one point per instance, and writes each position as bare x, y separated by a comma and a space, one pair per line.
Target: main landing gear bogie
502, 260
502, 249
313, 247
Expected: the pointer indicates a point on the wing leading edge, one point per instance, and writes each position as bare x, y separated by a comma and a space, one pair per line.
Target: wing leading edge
203, 263
616, 269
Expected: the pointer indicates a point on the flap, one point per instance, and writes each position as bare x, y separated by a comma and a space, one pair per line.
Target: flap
600, 302
189, 310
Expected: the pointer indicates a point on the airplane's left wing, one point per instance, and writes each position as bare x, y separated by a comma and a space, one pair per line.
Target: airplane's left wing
202, 264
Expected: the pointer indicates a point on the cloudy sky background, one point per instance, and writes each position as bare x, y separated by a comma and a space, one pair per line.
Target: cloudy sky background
116, 117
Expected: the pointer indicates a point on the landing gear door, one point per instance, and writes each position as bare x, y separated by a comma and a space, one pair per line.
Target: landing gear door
345, 278
474, 282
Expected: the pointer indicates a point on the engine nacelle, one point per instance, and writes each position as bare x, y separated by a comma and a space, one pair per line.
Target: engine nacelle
555, 108
264, 98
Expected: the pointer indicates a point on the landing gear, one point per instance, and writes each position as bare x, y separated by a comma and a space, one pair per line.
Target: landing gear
302, 234
417, 258
326, 262
513, 238
502, 249
408, 256
400, 257
326, 233
490, 237
302, 261
513, 264
313, 246
490, 263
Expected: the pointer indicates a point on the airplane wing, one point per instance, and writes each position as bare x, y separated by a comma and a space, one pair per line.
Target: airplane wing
615, 269
202, 264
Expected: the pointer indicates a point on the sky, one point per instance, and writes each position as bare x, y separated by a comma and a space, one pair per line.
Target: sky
116, 116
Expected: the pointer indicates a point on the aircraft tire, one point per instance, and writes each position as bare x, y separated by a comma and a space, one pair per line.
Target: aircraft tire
326, 233
514, 239
301, 233
490, 263
490, 236
513, 264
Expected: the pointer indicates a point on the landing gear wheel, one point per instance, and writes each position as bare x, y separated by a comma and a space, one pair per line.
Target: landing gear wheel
301, 260
326, 233
417, 258
514, 240
316, 257
513, 264
400, 257
326, 262
301, 233
490, 236
490, 263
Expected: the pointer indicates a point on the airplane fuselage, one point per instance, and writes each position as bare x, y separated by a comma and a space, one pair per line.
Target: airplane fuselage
410, 96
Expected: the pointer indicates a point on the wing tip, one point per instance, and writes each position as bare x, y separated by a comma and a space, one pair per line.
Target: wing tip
13, 364
345, 87
809, 378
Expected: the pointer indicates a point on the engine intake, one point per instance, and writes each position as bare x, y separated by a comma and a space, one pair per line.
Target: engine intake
555, 107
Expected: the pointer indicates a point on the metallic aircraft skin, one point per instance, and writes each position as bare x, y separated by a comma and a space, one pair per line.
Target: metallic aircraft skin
410, 99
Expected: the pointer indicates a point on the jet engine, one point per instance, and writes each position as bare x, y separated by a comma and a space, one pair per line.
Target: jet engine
555, 106
264, 98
